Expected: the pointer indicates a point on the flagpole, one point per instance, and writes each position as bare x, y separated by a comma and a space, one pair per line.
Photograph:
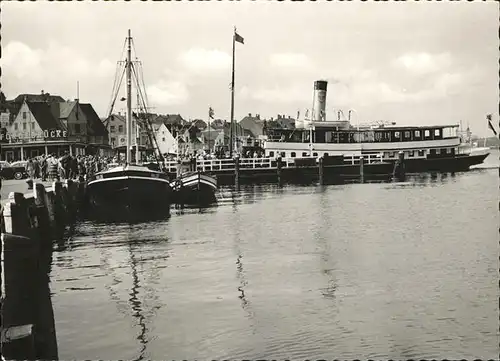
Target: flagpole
232, 99
209, 115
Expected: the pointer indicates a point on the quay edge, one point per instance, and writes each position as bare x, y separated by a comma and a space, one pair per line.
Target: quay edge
30, 224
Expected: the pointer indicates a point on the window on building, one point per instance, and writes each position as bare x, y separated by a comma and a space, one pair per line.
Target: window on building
112, 129
24, 126
113, 140
32, 125
283, 154
448, 150
417, 133
271, 154
120, 128
391, 154
437, 132
77, 128
163, 139
16, 127
24, 115
293, 154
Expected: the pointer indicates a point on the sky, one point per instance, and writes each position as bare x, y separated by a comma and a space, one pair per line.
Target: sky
414, 63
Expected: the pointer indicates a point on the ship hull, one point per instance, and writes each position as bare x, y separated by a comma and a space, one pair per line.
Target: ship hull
457, 163
194, 189
129, 194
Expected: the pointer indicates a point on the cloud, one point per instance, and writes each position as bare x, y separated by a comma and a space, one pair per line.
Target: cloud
290, 60
201, 60
21, 61
423, 63
278, 94
167, 93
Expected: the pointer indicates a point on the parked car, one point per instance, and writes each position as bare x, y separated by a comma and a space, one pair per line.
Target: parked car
12, 171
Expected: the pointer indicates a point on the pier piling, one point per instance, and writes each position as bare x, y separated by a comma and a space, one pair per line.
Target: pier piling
279, 166
399, 171
362, 169
321, 171
237, 173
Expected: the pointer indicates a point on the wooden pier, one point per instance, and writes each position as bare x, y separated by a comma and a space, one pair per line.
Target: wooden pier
30, 224
289, 170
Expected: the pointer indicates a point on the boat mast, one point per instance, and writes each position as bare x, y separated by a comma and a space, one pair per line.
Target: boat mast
129, 99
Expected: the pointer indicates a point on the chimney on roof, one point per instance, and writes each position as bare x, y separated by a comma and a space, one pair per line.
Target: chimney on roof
250, 114
42, 92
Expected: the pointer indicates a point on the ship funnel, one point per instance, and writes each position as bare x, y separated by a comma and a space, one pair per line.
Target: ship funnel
320, 100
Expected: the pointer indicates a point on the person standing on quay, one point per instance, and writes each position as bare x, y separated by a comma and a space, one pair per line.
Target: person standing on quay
30, 168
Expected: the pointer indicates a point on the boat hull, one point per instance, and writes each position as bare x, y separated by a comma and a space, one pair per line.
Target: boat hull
457, 163
124, 197
194, 189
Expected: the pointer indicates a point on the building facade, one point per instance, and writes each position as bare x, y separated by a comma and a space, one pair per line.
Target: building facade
50, 126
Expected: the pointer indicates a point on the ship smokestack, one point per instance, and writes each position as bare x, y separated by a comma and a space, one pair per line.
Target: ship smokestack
320, 100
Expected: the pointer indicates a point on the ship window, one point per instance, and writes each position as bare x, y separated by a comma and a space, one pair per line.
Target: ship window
437, 132
411, 153
304, 154
293, 154
326, 154
271, 154
438, 151
407, 134
391, 154
417, 133
283, 154
421, 153
427, 133
448, 150
396, 135
315, 154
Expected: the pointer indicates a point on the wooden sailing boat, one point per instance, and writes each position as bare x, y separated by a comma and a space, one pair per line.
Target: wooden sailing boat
129, 187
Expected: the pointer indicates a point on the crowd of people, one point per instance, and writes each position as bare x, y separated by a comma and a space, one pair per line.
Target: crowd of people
49, 167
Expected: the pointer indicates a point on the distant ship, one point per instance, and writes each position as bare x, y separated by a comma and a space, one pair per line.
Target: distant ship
425, 148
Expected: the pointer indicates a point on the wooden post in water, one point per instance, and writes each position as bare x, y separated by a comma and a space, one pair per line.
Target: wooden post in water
237, 172
362, 169
19, 258
279, 165
321, 171
44, 230
399, 171
59, 210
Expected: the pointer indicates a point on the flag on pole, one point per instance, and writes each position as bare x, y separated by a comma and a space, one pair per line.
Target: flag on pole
238, 38
211, 113
488, 117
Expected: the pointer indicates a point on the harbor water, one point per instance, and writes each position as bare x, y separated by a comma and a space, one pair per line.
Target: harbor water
399, 270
